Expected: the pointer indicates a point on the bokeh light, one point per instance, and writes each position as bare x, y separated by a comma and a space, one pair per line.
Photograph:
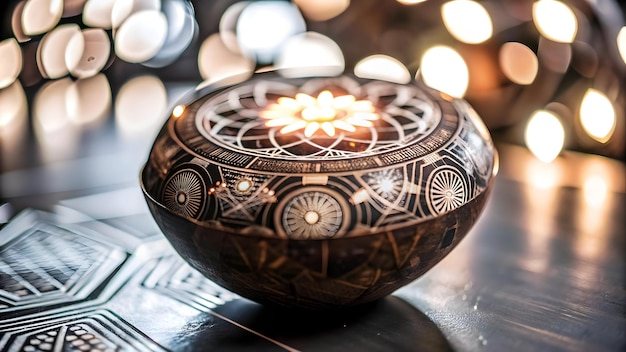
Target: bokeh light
228, 25
544, 135
382, 67
140, 106
532, 52
467, 21
216, 62
11, 66
264, 26
123, 9
13, 106
444, 69
98, 13
518, 62
181, 29
72, 7
88, 101
410, 2
178, 111
555, 20
597, 115
87, 52
16, 22
310, 54
52, 49
141, 36
621, 43
322, 10
595, 189
40, 16
50, 107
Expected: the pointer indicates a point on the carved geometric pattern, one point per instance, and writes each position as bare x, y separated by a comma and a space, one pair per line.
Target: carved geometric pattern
327, 272
312, 215
421, 158
228, 119
447, 190
184, 193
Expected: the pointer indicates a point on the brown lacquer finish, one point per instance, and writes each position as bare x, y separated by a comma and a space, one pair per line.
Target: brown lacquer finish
272, 195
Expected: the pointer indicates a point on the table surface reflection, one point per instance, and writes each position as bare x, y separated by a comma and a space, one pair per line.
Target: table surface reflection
83, 264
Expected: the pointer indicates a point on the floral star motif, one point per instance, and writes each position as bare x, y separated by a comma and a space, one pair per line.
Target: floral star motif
326, 113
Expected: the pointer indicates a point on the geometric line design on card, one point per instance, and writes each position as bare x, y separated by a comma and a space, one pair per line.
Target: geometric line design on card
46, 265
98, 331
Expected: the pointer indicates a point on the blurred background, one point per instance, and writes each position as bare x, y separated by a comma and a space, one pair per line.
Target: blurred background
85, 85
99, 77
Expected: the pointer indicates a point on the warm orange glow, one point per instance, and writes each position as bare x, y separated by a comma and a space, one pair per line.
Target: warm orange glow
444, 69
519, 63
467, 21
326, 113
410, 2
597, 115
382, 67
545, 135
178, 111
555, 20
322, 10
621, 43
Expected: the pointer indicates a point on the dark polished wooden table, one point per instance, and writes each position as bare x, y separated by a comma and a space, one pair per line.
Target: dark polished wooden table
83, 266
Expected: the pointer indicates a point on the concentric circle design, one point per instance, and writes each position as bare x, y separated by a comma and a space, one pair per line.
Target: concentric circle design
312, 214
447, 190
386, 183
231, 121
184, 193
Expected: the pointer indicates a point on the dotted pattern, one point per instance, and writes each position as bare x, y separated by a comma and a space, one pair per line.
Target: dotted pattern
72, 338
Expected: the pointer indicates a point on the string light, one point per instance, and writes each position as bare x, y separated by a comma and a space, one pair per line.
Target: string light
544, 135
274, 33
444, 69
597, 115
555, 20
468, 21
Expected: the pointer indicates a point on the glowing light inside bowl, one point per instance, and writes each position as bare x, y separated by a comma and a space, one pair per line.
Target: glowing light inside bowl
467, 21
597, 115
326, 113
178, 111
544, 135
555, 20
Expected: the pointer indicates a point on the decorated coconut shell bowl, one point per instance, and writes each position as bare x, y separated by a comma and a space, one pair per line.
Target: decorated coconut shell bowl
318, 192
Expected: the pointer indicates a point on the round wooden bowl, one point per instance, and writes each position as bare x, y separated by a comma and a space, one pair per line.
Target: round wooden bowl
284, 205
